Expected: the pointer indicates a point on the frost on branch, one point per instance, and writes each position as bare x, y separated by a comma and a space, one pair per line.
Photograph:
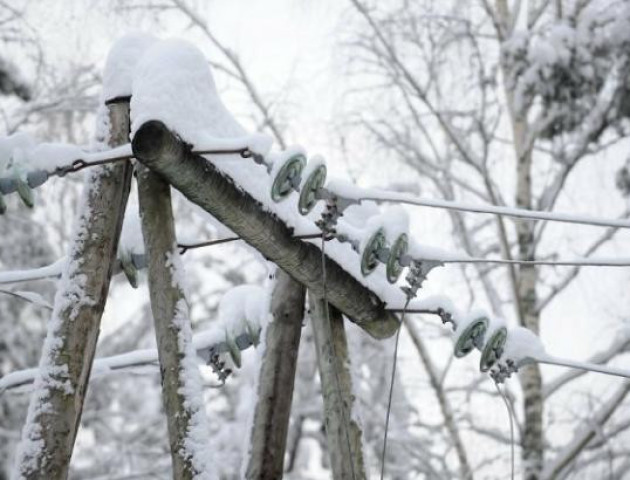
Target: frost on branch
565, 65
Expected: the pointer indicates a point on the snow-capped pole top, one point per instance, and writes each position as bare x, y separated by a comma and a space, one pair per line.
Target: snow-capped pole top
173, 83
121, 62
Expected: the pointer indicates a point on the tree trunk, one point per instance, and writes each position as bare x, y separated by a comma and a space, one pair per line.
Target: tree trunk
181, 382
56, 404
529, 375
342, 429
276, 380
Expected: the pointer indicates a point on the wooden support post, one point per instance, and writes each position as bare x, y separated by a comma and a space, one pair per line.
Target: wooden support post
342, 431
54, 412
275, 381
181, 381
162, 151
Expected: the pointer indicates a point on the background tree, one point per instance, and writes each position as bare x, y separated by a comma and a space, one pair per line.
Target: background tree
510, 103
499, 102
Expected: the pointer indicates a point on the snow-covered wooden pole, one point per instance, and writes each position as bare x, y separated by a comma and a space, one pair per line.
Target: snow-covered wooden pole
181, 381
56, 404
203, 184
342, 430
276, 379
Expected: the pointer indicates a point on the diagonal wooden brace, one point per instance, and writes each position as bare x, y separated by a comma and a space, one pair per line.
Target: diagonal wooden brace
203, 184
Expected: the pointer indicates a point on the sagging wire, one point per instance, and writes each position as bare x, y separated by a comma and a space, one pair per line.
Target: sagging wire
415, 277
391, 389
510, 415
344, 419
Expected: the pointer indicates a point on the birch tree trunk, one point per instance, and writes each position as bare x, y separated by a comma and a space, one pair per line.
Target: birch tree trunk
526, 295
276, 380
181, 382
54, 412
527, 298
529, 375
342, 429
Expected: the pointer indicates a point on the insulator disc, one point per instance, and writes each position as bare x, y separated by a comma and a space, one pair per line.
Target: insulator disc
493, 349
369, 257
129, 269
471, 337
286, 177
312, 184
25, 193
398, 249
235, 352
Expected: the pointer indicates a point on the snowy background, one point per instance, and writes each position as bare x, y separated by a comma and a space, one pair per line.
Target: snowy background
325, 82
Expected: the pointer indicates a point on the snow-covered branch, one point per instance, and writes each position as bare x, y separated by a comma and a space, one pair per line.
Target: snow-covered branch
586, 433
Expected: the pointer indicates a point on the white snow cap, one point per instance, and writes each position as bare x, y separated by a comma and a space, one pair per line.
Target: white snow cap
131, 239
121, 62
173, 84
395, 222
464, 321
522, 345
13, 149
243, 305
20, 153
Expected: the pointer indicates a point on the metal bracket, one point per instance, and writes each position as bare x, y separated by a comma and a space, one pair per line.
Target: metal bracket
418, 272
502, 371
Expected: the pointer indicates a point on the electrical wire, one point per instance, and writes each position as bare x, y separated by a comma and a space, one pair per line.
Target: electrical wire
591, 367
184, 247
555, 263
391, 387
495, 210
334, 363
509, 409
385, 196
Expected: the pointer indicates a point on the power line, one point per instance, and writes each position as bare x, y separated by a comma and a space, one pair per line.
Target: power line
509, 410
391, 387
384, 196
556, 263
591, 367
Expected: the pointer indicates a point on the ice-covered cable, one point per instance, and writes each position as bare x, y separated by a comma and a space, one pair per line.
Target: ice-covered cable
591, 367
578, 262
377, 195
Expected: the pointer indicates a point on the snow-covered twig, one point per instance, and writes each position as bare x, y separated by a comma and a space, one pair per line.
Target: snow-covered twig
584, 435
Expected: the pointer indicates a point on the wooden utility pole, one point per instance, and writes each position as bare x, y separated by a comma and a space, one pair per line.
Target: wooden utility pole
342, 430
54, 412
276, 380
161, 150
181, 391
